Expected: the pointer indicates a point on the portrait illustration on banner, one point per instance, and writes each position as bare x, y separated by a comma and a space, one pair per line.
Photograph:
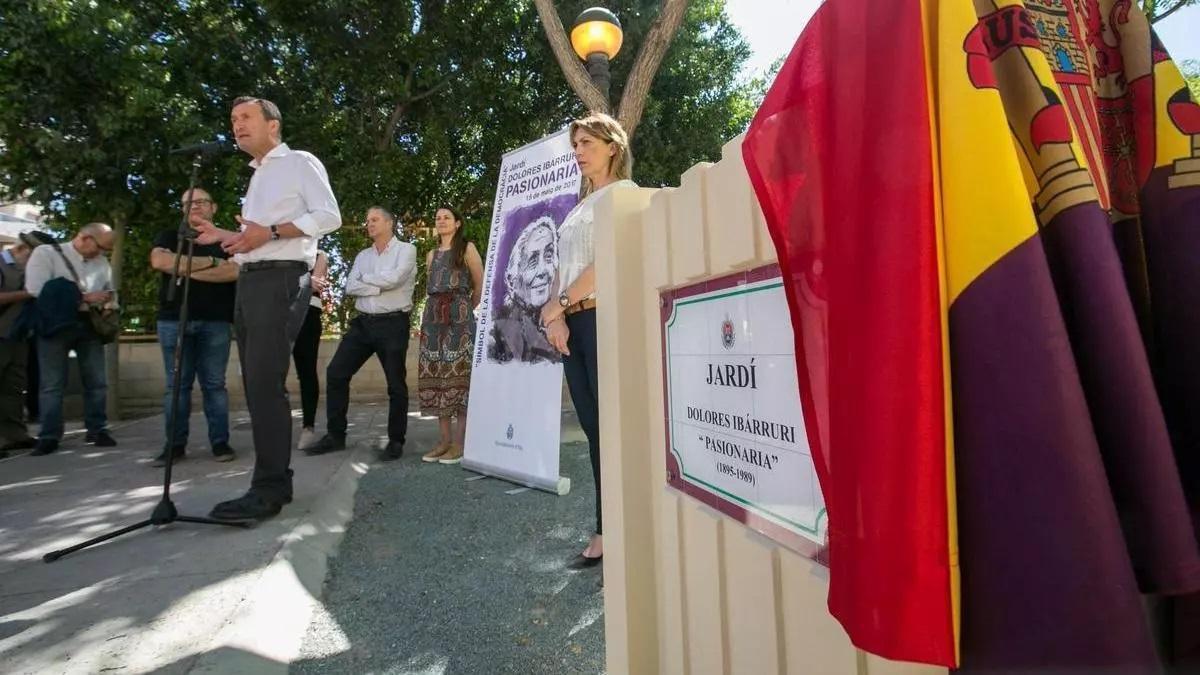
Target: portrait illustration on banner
524, 282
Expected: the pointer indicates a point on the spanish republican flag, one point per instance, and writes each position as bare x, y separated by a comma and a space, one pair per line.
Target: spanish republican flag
987, 213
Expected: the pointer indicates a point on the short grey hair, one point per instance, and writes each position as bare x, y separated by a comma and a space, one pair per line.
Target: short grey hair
512, 271
386, 213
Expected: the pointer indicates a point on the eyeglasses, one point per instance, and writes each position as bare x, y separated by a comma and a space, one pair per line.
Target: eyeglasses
194, 202
102, 247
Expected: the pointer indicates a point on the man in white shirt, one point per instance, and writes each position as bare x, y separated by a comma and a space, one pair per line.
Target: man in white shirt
381, 283
288, 207
79, 263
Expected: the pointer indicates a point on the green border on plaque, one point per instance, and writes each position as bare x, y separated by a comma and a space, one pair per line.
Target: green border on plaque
815, 528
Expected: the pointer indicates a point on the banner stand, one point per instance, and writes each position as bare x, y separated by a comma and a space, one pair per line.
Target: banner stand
514, 417
560, 487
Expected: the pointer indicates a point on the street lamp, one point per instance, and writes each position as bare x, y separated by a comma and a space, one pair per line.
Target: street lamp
596, 38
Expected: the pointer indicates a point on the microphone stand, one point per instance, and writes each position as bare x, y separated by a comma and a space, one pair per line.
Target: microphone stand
165, 512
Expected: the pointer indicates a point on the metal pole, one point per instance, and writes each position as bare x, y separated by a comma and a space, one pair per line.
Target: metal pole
597, 67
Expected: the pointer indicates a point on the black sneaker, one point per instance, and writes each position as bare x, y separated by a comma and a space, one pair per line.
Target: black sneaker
23, 444
328, 443
223, 453
178, 451
392, 452
44, 446
100, 439
250, 506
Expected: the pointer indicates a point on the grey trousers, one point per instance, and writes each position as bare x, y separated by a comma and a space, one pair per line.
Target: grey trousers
14, 357
270, 308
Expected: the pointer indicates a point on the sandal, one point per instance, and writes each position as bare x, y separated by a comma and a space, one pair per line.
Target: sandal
436, 453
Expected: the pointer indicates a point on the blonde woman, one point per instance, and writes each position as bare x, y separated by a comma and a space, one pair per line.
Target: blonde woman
602, 152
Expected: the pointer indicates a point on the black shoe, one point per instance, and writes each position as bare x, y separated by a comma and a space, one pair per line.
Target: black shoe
223, 453
23, 444
100, 439
392, 451
250, 506
44, 446
328, 443
179, 452
582, 562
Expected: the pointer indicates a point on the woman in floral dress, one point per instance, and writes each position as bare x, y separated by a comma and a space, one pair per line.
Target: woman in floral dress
454, 281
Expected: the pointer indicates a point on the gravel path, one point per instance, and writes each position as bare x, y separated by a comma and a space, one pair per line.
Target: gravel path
440, 574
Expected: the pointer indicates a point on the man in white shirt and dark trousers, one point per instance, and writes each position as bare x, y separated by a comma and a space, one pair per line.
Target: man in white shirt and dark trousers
381, 283
79, 264
288, 207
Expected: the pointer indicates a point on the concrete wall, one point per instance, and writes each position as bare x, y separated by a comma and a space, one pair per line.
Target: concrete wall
142, 380
687, 589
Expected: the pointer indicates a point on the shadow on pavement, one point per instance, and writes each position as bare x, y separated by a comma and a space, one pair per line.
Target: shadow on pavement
441, 574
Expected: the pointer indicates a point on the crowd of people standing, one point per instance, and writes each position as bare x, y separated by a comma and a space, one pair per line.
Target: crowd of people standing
266, 284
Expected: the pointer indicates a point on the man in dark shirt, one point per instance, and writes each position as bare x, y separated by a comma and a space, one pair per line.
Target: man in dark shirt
206, 341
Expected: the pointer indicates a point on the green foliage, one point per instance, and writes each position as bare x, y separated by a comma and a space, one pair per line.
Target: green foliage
1160, 9
410, 104
1191, 74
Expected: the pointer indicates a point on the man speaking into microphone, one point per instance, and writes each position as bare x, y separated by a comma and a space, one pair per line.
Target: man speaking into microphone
287, 208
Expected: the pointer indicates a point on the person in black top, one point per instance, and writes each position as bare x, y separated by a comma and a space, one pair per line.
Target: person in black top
209, 330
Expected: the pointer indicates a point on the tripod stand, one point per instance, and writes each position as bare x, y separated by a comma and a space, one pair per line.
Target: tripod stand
165, 512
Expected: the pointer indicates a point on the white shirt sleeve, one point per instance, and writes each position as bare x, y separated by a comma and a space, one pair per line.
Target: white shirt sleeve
39, 269
323, 215
395, 276
354, 284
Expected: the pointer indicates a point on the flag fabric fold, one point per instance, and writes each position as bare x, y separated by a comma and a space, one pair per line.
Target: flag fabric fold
1036, 165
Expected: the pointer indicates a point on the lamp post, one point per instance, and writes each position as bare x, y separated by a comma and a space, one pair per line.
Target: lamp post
596, 38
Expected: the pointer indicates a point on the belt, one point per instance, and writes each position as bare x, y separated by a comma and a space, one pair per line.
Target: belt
586, 303
275, 265
384, 315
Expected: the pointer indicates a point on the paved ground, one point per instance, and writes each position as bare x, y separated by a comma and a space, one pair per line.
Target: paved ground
442, 574
183, 598
429, 580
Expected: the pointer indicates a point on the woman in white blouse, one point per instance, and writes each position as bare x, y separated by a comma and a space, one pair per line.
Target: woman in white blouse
602, 152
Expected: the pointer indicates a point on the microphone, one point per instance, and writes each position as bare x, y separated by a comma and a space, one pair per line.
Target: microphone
208, 148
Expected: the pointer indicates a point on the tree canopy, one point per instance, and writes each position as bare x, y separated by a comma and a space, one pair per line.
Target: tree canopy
410, 104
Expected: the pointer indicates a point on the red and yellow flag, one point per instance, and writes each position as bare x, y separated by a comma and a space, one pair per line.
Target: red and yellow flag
988, 214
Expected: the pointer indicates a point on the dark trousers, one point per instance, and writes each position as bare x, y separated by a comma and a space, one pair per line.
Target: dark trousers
14, 356
385, 336
54, 357
270, 307
580, 369
304, 355
32, 381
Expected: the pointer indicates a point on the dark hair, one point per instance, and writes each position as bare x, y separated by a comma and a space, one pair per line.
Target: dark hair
270, 111
458, 244
387, 213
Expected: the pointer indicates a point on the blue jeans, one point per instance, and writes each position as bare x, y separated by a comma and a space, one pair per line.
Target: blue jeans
205, 353
53, 353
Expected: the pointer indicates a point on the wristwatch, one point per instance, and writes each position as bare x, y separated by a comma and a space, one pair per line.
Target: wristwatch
563, 299
274, 232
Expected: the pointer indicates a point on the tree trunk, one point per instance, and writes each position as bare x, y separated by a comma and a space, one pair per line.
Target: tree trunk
572, 68
649, 59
